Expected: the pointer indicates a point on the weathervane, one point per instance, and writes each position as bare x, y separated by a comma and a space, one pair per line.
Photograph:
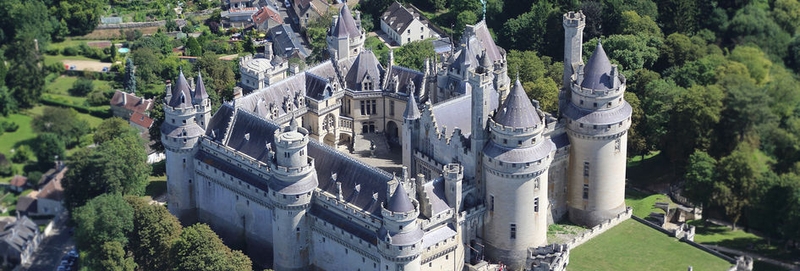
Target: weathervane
483, 2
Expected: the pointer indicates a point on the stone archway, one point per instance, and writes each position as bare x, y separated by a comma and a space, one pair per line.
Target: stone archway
392, 133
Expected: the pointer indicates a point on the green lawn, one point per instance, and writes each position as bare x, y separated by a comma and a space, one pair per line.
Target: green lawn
634, 246
654, 168
59, 58
741, 240
10, 140
62, 84
157, 186
643, 204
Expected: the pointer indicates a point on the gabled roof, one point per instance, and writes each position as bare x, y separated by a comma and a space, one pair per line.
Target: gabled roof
141, 119
284, 41
130, 102
18, 181
398, 17
475, 41
16, 235
267, 13
365, 66
399, 202
597, 72
345, 24
181, 94
405, 77
517, 110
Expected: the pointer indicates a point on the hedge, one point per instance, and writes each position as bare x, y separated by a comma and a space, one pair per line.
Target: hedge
102, 112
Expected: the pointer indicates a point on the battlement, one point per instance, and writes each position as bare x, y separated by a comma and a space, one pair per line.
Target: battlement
401, 216
453, 171
574, 19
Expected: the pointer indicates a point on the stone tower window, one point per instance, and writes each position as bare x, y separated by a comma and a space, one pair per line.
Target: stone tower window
617, 146
513, 231
536, 205
586, 169
585, 191
491, 203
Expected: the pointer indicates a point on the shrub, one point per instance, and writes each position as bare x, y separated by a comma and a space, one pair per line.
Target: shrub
22, 154
97, 98
81, 87
71, 51
8, 126
53, 51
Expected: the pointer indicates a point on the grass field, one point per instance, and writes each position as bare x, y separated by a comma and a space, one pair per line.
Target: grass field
59, 58
707, 233
10, 140
653, 169
634, 246
642, 204
62, 84
157, 186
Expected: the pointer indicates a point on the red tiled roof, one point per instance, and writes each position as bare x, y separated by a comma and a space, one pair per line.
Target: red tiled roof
131, 102
141, 120
53, 190
266, 13
18, 181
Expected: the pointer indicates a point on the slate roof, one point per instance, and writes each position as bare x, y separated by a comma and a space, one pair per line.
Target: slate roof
316, 87
27, 204
199, 89
519, 155
53, 190
345, 24
181, 94
260, 100
365, 66
438, 235
561, 140
412, 110
399, 202
597, 72
130, 102
285, 42
249, 136
599, 117
517, 110
398, 17
17, 234
405, 76
474, 45
436, 196
450, 113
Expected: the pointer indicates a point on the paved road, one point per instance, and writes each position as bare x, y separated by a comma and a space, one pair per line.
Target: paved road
754, 256
48, 255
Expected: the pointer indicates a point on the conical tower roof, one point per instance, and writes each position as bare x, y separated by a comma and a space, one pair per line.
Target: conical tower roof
399, 202
517, 110
345, 24
181, 95
200, 88
412, 111
597, 72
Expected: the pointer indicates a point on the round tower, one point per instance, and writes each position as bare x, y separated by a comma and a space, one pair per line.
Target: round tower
598, 118
410, 127
292, 186
400, 238
180, 135
345, 37
515, 162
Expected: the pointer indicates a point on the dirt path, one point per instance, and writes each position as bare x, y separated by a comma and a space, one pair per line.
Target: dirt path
83, 65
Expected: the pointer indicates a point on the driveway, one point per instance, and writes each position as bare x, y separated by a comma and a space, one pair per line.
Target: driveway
48, 255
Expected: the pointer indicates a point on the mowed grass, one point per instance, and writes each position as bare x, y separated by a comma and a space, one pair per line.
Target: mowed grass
655, 168
62, 84
712, 234
634, 246
48, 59
643, 204
11, 140
157, 186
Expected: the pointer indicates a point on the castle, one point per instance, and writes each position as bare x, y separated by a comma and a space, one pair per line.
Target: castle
265, 174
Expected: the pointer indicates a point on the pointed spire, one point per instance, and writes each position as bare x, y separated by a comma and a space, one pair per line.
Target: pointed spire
345, 24
399, 202
517, 110
597, 72
200, 89
180, 91
412, 111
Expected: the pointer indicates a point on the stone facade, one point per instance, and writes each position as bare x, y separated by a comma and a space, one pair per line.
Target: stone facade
474, 186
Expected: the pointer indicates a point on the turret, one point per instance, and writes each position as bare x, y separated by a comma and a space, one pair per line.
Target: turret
180, 134
573, 23
410, 127
481, 81
345, 37
453, 177
201, 102
400, 238
294, 181
598, 118
516, 163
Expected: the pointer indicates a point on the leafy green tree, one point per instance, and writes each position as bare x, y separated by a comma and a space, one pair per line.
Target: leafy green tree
199, 249
106, 218
193, 47
8, 104
679, 49
681, 15
22, 154
129, 83
26, 20
82, 16
637, 143
113, 128
631, 51
657, 103
148, 65
739, 174
786, 13
757, 63
701, 173
154, 232
695, 113
25, 76
463, 19
48, 146
545, 91
63, 122
157, 114
525, 64
81, 87
752, 24
527, 31
111, 256
413, 54
633, 24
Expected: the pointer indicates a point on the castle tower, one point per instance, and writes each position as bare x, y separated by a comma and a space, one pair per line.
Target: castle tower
515, 162
180, 134
400, 238
201, 102
294, 180
598, 118
573, 23
345, 38
410, 128
482, 84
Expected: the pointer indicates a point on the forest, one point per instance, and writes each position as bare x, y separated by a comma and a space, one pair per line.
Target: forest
713, 85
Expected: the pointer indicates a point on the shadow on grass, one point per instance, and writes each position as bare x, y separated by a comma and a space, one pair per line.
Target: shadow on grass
652, 170
723, 236
156, 188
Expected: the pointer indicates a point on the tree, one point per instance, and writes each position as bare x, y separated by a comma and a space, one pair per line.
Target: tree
154, 232
199, 248
8, 104
130, 76
695, 113
106, 218
193, 47
218, 77
633, 24
679, 49
657, 103
739, 173
545, 91
414, 54
111, 256
701, 174
786, 13
26, 20
631, 51
48, 148
64, 122
757, 63
527, 31
751, 24
113, 128
157, 114
171, 25
464, 18
148, 65
22, 154
637, 143
82, 16
25, 77
81, 87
